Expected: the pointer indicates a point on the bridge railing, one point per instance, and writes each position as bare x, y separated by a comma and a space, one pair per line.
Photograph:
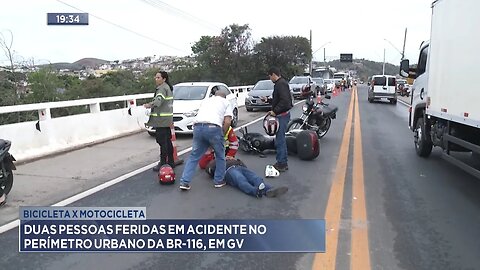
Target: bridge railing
49, 135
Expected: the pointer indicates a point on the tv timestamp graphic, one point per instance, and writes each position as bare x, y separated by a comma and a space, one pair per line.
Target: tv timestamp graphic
124, 229
67, 18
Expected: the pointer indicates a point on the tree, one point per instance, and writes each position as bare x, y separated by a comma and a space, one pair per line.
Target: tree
289, 53
7, 49
45, 86
225, 57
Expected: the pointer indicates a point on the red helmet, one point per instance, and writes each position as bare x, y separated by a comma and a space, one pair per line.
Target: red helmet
166, 175
271, 125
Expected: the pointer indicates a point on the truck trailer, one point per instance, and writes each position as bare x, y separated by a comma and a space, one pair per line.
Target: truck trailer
445, 96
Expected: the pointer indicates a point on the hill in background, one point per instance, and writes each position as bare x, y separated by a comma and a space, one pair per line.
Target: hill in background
80, 64
365, 68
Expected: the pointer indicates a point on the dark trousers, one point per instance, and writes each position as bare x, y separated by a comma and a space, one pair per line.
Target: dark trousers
163, 135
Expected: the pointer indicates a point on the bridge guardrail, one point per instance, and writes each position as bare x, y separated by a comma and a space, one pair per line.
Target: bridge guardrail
49, 135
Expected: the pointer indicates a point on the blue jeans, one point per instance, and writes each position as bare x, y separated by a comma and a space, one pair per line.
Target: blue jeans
245, 180
280, 141
205, 135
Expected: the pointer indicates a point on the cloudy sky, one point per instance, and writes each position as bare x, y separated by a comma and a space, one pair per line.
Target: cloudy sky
124, 29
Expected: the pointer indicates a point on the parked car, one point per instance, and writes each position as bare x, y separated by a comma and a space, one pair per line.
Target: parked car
321, 86
187, 98
260, 97
302, 84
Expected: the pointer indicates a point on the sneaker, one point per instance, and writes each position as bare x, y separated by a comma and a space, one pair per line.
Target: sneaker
184, 186
220, 184
157, 167
260, 190
275, 192
281, 167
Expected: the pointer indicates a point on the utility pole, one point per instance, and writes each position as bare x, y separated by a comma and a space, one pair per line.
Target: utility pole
324, 58
404, 41
311, 51
383, 72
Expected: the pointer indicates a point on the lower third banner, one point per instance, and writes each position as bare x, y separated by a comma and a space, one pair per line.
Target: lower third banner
302, 235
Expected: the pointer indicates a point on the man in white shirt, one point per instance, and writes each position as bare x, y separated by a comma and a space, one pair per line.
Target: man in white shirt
213, 119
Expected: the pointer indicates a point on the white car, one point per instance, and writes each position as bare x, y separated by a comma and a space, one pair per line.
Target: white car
187, 98
330, 85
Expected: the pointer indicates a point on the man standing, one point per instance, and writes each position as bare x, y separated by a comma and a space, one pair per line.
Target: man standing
161, 119
213, 119
281, 105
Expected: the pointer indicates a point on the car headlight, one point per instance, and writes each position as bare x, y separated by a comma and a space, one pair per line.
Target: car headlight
304, 107
191, 113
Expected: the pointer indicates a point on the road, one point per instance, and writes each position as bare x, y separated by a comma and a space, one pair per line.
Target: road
385, 207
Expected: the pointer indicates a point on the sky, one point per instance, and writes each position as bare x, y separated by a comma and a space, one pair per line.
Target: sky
127, 29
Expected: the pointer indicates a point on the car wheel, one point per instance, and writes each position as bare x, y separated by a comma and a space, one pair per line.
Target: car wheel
151, 133
235, 118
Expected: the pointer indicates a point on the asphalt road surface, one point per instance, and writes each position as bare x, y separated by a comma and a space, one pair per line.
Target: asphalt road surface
385, 207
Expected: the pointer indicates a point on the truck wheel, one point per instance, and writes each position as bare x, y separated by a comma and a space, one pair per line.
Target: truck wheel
423, 144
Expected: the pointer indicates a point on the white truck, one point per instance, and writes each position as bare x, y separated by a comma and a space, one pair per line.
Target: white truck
445, 110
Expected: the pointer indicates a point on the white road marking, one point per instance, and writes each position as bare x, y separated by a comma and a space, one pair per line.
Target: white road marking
79, 196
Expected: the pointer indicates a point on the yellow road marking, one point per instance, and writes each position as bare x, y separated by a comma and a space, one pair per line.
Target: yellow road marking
333, 211
360, 256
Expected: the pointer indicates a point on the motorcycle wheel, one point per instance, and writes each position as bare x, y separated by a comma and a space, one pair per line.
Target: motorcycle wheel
7, 183
296, 123
322, 131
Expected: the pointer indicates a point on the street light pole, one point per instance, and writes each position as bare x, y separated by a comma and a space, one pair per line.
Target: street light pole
383, 72
311, 57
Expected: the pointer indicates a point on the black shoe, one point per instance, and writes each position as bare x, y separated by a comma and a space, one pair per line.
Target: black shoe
184, 186
221, 184
275, 192
260, 190
281, 167
157, 167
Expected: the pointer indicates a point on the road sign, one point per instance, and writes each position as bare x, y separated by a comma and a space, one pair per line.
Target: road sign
346, 57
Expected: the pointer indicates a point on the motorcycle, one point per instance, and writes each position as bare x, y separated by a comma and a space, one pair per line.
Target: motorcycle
6, 168
316, 116
259, 143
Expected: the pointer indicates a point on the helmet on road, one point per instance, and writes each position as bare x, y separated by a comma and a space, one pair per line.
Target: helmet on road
270, 171
166, 175
271, 125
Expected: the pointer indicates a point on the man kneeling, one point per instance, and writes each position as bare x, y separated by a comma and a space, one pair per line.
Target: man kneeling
239, 176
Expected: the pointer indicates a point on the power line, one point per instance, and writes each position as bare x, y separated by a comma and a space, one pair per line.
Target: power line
162, 6
124, 28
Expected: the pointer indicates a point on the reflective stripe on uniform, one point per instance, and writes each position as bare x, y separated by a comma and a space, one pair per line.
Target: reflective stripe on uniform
225, 137
166, 98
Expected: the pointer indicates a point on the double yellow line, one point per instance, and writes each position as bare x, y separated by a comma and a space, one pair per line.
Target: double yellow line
360, 256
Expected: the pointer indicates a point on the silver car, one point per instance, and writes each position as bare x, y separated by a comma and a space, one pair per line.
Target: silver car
260, 97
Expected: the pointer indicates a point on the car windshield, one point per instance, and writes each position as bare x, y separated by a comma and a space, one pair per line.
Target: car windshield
189, 92
318, 80
263, 85
299, 80
328, 81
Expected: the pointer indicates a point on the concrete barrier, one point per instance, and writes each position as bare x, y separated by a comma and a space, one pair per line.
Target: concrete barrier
60, 134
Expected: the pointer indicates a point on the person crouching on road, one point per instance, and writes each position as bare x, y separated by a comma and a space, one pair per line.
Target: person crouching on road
238, 175
161, 118
281, 105
213, 119
231, 148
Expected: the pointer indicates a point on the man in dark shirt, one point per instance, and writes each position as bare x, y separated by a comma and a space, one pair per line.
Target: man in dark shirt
281, 105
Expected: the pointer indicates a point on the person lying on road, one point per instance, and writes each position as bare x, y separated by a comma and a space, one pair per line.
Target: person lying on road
238, 175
